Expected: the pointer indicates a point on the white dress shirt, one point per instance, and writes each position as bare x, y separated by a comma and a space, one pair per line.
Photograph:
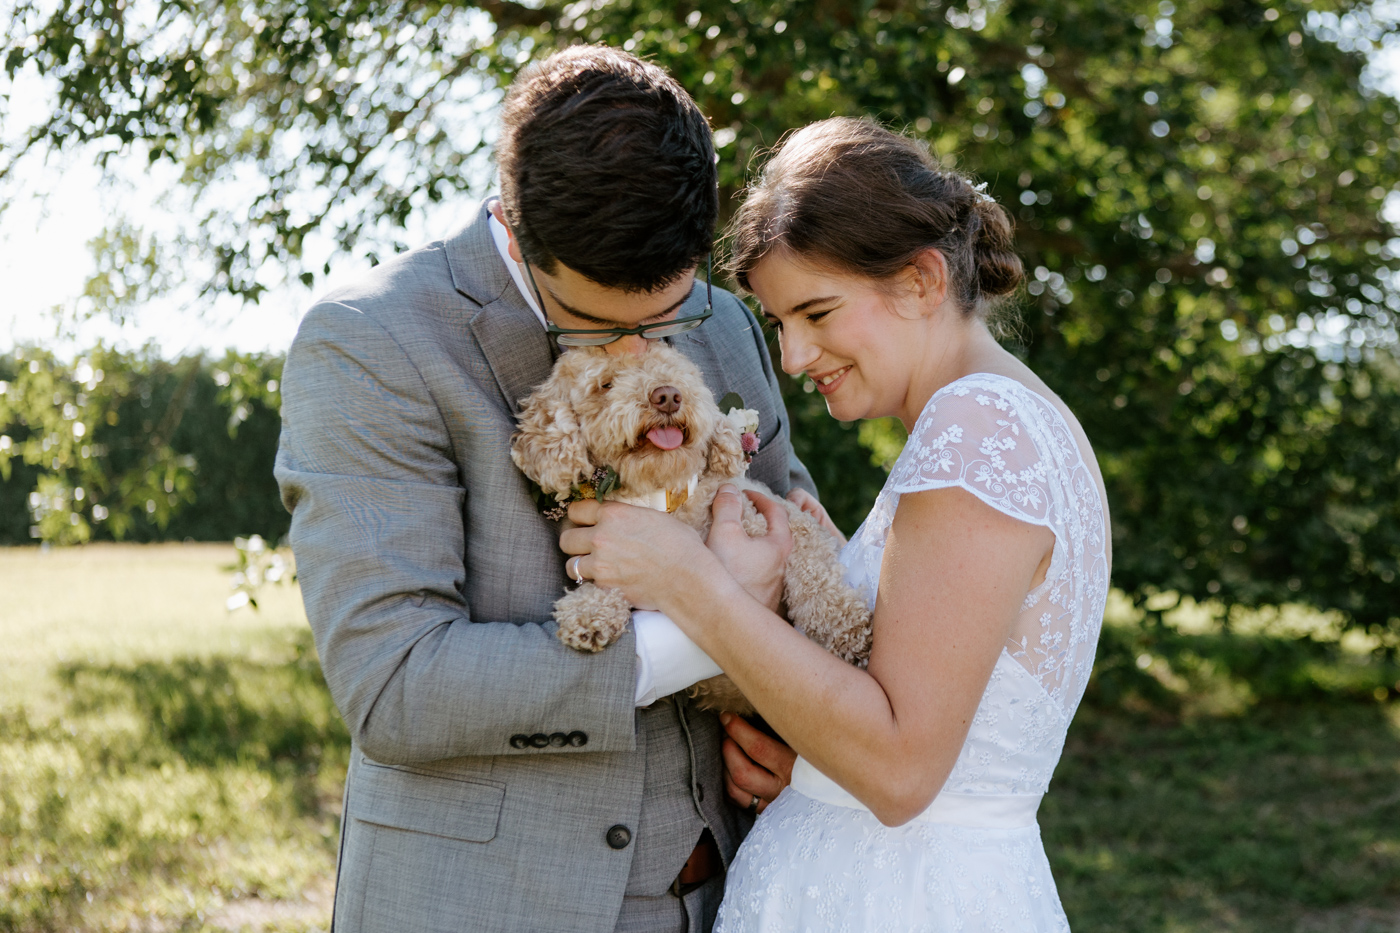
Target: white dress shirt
667, 660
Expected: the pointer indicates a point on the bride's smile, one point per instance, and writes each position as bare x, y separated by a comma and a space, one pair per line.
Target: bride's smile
828, 384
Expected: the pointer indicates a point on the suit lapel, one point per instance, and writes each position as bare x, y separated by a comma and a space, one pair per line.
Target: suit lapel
516, 347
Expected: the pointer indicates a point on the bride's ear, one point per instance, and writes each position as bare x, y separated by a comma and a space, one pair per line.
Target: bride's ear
928, 279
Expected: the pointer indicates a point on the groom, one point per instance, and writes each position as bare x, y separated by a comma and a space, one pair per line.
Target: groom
499, 780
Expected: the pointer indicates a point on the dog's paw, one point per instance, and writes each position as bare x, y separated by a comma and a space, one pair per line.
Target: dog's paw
582, 635
591, 618
720, 694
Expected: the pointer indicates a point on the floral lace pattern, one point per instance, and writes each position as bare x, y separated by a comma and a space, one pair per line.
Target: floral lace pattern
810, 865
1012, 449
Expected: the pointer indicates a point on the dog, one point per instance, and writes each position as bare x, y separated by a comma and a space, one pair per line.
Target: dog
646, 430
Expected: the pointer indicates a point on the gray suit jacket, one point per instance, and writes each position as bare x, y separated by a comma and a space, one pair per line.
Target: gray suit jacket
498, 780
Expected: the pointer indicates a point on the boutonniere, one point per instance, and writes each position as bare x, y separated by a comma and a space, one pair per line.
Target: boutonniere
603, 481
744, 421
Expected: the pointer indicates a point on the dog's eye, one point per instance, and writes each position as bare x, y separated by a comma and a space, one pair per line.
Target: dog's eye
606, 386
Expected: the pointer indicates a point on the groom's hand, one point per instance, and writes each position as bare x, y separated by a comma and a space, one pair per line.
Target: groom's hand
755, 764
757, 563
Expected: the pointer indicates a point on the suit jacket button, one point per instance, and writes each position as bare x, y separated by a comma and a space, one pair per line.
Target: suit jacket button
520, 741
558, 740
619, 836
539, 740
578, 739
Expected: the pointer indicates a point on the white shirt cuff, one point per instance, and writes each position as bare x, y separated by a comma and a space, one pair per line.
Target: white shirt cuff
667, 660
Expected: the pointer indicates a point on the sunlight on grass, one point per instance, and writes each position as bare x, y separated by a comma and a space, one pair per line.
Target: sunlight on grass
122, 603
164, 764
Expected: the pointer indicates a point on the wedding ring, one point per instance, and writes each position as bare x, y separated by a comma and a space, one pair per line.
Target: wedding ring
571, 568
753, 804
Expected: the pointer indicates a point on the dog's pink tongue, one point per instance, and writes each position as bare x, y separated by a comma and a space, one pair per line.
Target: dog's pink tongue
667, 438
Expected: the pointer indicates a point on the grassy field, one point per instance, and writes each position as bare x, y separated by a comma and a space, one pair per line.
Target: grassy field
166, 765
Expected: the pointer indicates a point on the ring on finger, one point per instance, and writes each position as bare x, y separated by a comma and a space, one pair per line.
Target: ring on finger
571, 568
753, 804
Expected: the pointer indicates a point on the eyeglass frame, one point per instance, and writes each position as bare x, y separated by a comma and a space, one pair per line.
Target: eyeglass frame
566, 336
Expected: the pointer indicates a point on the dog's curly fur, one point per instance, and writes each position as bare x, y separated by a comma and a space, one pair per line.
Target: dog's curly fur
595, 411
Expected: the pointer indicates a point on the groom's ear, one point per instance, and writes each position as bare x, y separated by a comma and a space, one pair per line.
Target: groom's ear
548, 445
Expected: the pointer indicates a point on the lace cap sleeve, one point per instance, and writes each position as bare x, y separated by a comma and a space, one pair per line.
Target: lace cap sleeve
973, 435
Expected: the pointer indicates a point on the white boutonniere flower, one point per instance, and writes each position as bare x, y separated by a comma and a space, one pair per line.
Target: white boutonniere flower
744, 421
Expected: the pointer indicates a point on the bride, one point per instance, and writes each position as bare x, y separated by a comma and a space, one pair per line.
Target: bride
986, 559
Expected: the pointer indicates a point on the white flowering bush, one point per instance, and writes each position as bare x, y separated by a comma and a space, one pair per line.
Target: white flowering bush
258, 564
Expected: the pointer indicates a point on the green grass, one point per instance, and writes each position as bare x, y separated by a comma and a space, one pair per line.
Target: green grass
165, 765
1285, 819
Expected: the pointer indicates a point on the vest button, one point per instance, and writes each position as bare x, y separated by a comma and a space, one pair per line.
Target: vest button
619, 836
578, 739
519, 741
539, 740
558, 740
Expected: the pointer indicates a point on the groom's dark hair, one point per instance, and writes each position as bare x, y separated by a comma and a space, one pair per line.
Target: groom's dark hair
607, 166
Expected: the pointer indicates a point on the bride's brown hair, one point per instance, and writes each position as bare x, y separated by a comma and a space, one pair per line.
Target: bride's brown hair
852, 194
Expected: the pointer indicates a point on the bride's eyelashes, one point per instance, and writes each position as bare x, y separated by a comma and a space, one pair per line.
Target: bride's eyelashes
812, 318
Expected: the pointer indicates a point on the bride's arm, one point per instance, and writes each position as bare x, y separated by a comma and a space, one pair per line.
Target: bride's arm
954, 576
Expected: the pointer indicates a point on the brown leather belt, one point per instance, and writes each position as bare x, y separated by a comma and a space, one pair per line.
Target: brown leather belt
704, 863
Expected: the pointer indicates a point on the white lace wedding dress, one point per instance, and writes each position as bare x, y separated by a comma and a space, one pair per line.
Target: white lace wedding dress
817, 859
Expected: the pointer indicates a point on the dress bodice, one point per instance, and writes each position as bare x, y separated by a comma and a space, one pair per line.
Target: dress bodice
1014, 450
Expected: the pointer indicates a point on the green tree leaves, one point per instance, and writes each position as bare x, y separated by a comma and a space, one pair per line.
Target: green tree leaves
116, 445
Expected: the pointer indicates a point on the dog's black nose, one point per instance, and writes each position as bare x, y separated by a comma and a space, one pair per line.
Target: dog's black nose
666, 399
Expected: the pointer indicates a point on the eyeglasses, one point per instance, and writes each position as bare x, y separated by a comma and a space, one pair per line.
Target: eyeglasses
576, 337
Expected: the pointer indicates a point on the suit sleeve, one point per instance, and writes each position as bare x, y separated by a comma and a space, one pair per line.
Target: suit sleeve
797, 471
366, 468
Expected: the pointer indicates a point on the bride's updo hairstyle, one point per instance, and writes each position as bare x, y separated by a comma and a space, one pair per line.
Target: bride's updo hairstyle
854, 196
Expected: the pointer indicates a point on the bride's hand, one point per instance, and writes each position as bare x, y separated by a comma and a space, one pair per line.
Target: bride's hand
757, 563
636, 550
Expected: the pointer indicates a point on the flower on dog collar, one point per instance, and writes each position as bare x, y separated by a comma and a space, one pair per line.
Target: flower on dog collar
744, 421
603, 481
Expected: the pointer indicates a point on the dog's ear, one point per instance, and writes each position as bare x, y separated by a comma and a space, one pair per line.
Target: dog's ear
726, 455
548, 445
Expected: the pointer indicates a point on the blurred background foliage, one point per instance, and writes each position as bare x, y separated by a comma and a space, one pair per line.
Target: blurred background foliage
127, 446
1202, 191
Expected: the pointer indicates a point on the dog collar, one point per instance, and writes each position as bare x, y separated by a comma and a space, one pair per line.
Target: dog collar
662, 500
603, 484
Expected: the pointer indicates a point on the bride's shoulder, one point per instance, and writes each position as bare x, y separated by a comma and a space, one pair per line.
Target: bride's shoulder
972, 430
983, 399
